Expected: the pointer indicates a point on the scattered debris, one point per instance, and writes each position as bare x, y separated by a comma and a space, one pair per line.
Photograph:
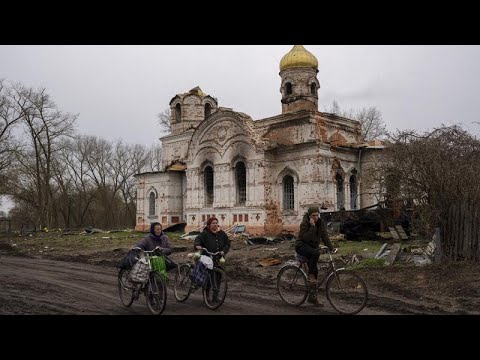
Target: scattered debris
401, 232
247, 242
176, 227
420, 260
394, 233
91, 230
190, 235
269, 262
393, 254
380, 252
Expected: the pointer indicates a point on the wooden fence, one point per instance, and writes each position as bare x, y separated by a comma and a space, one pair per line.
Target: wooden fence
461, 232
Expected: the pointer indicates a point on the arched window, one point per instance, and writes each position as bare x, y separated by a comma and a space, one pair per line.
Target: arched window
208, 110
208, 174
288, 193
288, 88
340, 194
353, 192
178, 113
313, 89
151, 204
241, 177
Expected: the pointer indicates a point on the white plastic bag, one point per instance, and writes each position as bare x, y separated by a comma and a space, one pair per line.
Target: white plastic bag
207, 261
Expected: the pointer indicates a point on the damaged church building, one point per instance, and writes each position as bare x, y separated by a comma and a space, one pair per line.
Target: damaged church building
261, 173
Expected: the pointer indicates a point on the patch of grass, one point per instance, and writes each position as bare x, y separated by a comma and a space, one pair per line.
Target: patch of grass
55, 243
174, 235
369, 264
73, 244
358, 247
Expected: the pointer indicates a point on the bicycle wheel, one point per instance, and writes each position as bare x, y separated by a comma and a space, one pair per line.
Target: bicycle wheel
182, 285
125, 289
156, 294
215, 289
292, 285
346, 292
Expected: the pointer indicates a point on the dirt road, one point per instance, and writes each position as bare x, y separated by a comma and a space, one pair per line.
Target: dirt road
44, 286
41, 286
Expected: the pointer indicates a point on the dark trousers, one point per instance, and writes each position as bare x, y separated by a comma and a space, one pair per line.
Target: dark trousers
312, 255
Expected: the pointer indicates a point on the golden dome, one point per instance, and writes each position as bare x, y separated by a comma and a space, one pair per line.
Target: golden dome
298, 57
197, 91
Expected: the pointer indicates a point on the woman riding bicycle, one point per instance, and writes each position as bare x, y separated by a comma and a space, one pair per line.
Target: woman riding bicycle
156, 238
312, 230
213, 238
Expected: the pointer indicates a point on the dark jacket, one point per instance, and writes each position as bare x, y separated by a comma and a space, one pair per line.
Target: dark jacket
311, 235
150, 242
213, 242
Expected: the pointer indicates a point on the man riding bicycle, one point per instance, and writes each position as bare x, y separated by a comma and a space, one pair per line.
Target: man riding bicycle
312, 230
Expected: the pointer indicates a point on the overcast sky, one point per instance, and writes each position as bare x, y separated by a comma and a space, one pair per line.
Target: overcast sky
118, 90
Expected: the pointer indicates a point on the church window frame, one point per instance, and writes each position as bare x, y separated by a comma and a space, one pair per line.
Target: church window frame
209, 183
241, 183
151, 204
178, 113
288, 88
207, 110
340, 191
288, 185
353, 191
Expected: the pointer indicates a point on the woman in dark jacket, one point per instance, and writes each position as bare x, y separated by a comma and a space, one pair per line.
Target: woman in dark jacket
156, 238
212, 238
312, 230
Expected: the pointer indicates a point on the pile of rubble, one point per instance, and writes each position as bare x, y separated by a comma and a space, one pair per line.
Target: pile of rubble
398, 251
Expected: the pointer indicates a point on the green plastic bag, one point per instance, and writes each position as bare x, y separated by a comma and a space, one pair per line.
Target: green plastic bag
158, 265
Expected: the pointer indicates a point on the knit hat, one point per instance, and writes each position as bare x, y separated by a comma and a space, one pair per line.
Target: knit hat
312, 209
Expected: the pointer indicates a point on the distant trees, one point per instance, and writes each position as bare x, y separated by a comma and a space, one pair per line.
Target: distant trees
57, 178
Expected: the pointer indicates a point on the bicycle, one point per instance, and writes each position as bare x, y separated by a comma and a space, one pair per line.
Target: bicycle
154, 286
346, 291
216, 281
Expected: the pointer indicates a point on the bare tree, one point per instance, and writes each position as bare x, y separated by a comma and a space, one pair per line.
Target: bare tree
10, 116
154, 159
373, 125
45, 125
164, 120
335, 109
136, 159
434, 170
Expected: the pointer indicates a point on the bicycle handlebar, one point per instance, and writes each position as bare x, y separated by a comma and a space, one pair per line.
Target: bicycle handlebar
209, 253
148, 251
323, 247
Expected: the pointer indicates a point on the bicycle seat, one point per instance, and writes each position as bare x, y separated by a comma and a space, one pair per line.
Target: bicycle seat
301, 259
